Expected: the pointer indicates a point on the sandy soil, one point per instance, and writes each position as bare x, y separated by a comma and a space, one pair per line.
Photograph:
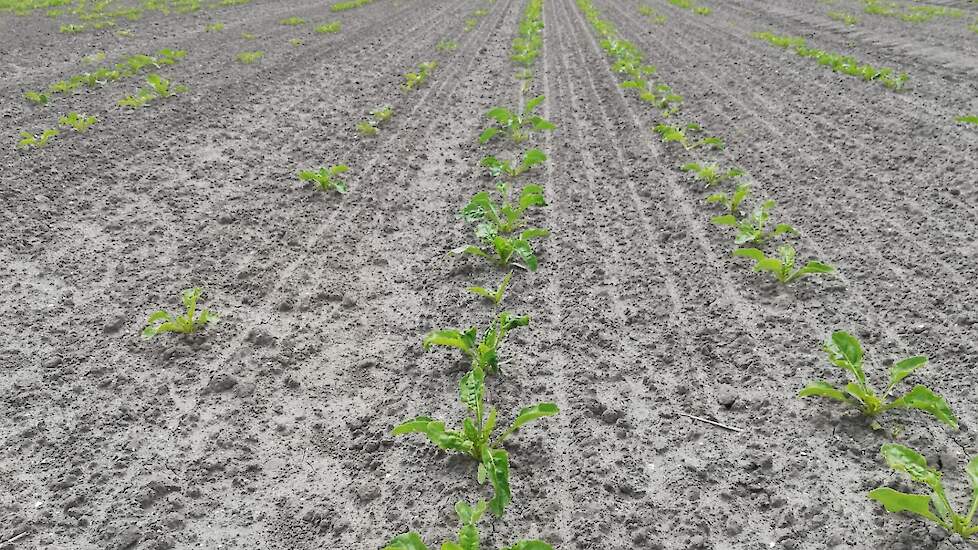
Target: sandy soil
271, 429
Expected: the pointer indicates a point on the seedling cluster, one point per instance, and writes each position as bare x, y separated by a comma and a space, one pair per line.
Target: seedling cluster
837, 62
351, 5
755, 228
652, 15
129, 67
378, 117
910, 13
250, 57
689, 5
159, 88
328, 28
418, 77
503, 232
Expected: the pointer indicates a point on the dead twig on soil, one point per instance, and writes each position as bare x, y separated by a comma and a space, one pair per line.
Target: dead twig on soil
713, 422
15, 538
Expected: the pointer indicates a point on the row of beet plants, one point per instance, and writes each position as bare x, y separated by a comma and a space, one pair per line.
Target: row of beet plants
504, 237
754, 233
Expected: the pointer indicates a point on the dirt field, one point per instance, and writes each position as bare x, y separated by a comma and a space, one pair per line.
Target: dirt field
272, 428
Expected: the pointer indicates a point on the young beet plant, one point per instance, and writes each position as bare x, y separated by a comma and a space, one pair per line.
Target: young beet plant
710, 173
468, 534
494, 296
934, 507
475, 439
660, 95
327, 179
731, 203
28, 140
159, 88
483, 353
77, 122
846, 353
681, 135
378, 117
191, 321
37, 98
753, 228
497, 224
516, 125
513, 169
416, 79
782, 266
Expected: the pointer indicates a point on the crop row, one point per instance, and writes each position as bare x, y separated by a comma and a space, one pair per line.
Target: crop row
97, 15
502, 235
753, 230
837, 62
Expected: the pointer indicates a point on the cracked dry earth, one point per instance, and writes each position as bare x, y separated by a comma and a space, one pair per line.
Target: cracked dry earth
271, 429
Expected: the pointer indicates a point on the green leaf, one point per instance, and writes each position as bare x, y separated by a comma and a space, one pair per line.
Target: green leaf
906, 460
902, 369
500, 115
848, 347
922, 398
407, 541
534, 156
482, 292
821, 388
496, 464
470, 249
868, 398
522, 248
437, 434
450, 337
417, 425
727, 219
534, 233
531, 413
508, 321
490, 425
488, 134
539, 123
471, 389
468, 534
811, 268
751, 253
530, 545
533, 103
896, 502
972, 470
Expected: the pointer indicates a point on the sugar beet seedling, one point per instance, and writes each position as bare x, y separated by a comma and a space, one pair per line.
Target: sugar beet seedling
782, 266
475, 438
935, 507
468, 534
710, 173
418, 78
327, 179
512, 169
28, 140
516, 126
378, 117
731, 202
483, 353
497, 224
191, 321
676, 134
845, 352
753, 228
494, 296
78, 122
